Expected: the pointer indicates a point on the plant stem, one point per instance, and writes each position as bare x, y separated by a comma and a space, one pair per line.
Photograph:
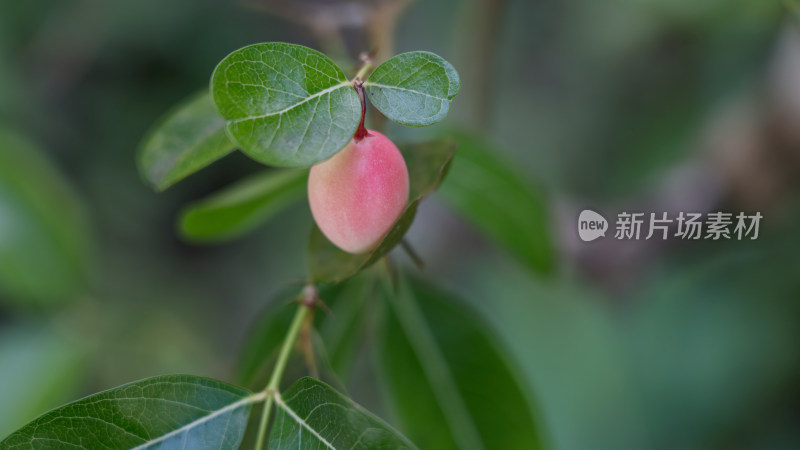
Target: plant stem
286, 350
280, 366
361, 131
262, 426
358, 85
362, 72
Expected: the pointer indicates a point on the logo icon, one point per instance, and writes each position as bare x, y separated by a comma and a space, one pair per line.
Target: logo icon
591, 225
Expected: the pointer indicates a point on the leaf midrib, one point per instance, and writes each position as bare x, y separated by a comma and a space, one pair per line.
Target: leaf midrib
289, 108
398, 88
457, 415
202, 139
255, 398
279, 401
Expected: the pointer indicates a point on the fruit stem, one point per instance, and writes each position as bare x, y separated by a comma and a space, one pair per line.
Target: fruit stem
307, 303
361, 131
358, 85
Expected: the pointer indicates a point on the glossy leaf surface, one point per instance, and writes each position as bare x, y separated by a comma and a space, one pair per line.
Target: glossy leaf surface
286, 105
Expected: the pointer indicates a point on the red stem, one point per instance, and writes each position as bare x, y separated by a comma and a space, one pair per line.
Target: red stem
361, 131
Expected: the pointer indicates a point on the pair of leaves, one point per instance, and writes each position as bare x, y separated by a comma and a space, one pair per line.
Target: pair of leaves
448, 382
184, 411
291, 106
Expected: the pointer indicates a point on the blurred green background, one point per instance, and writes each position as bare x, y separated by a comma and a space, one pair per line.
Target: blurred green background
645, 105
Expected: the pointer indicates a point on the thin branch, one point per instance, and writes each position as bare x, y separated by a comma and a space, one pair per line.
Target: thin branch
306, 305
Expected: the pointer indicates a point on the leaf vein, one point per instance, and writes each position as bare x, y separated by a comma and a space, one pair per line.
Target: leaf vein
291, 107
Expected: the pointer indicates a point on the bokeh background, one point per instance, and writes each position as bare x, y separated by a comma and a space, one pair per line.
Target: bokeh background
645, 105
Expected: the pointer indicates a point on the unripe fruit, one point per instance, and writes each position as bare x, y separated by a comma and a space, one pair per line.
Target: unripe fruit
359, 193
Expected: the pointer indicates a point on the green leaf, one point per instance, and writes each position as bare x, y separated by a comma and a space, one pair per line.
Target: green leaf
242, 206
311, 414
286, 105
567, 345
427, 165
413, 88
186, 140
172, 411
45, 240
450, 384
486, 191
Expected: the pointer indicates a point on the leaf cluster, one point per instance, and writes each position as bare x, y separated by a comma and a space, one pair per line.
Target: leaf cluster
447, 384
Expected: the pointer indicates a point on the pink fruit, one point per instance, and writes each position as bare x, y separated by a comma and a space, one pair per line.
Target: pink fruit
359, 193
